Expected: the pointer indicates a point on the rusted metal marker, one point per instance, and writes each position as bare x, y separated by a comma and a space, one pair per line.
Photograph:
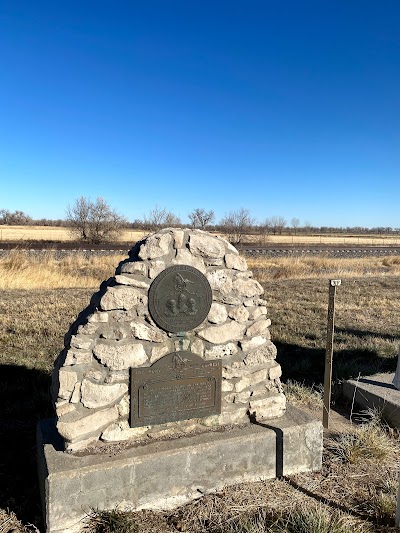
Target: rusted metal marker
333, 283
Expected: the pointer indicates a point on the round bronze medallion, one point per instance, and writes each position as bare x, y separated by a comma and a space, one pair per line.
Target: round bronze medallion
180, 298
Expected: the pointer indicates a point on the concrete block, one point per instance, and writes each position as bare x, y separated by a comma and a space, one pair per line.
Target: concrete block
376, 392
166, 473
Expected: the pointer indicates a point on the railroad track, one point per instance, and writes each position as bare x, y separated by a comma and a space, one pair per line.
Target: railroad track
270, 250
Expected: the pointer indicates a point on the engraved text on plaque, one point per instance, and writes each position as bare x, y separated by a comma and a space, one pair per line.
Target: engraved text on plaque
180, 386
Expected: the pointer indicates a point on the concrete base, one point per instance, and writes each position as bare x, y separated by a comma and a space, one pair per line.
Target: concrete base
377, 392
165, 474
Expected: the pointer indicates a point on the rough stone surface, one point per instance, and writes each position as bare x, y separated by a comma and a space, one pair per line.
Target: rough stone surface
220, 334
218, 313
116, 333
122, 297
94, 395
120, 356
258, 328
206, 246
221, 351
74, 426
67, 383
240, 314
155, 246
147, 333
236, 262
184, 257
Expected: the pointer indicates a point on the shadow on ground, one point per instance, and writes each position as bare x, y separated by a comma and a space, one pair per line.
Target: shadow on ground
24, 399
306, 365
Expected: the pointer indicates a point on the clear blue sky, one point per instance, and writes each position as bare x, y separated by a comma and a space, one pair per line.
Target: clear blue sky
283, 107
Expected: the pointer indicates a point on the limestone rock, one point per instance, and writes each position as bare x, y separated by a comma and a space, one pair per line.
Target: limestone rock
67, 380
197, 347
184, 257
226, 386
178, 235
82, 342
275, 372
77, 357
147, 333
156, 245
118, 356
206, 246
222, 350
260, 327
98, 317
247, 287
223, 333
132, 280
76, 393
64, 408
94, 395
159, 351
265, 352
122, 297
254, 342
240, 314
74, 426
122, 431
249, 380
220, 280
236, 262
272, 406
256, 312
134, 267
155, 268
124, 407
218, 313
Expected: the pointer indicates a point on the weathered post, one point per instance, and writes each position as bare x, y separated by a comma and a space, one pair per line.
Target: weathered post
396, 379
398, 508
333, 283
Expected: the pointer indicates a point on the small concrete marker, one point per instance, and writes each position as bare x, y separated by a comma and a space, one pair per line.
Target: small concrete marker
396, 379
333, 283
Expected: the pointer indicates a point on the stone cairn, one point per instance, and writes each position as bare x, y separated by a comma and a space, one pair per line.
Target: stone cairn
116, 333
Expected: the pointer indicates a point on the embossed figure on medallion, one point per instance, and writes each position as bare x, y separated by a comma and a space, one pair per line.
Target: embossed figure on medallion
179, 298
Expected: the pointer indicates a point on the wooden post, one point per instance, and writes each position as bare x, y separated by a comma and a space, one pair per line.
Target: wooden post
333, 283
397, 521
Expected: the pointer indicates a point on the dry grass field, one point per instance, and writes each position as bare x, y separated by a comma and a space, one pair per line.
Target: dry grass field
356, 489
53, 233
50, 233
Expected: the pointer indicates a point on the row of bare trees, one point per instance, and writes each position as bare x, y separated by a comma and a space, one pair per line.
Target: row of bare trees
94, 221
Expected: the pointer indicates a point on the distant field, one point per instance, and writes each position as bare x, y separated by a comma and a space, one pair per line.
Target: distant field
50, 233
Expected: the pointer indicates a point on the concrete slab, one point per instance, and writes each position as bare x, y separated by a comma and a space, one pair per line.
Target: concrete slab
167, 473
378, 392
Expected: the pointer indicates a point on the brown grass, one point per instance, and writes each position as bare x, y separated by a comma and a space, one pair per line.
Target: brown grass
275, 268
53, 233
21, 270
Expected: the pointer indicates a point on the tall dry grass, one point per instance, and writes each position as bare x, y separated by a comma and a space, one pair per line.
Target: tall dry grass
55, 233
281, 268
21, 270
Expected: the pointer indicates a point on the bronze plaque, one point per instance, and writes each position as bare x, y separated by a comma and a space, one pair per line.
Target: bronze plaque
179, 386
180, 298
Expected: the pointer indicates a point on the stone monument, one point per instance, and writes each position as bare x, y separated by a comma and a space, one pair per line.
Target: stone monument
173, 358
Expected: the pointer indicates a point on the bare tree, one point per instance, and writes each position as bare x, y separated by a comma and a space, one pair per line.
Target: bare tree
17, 218
307, 226
295, 224
237, 224
94, 222
160, 217
200, 218
277, 223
